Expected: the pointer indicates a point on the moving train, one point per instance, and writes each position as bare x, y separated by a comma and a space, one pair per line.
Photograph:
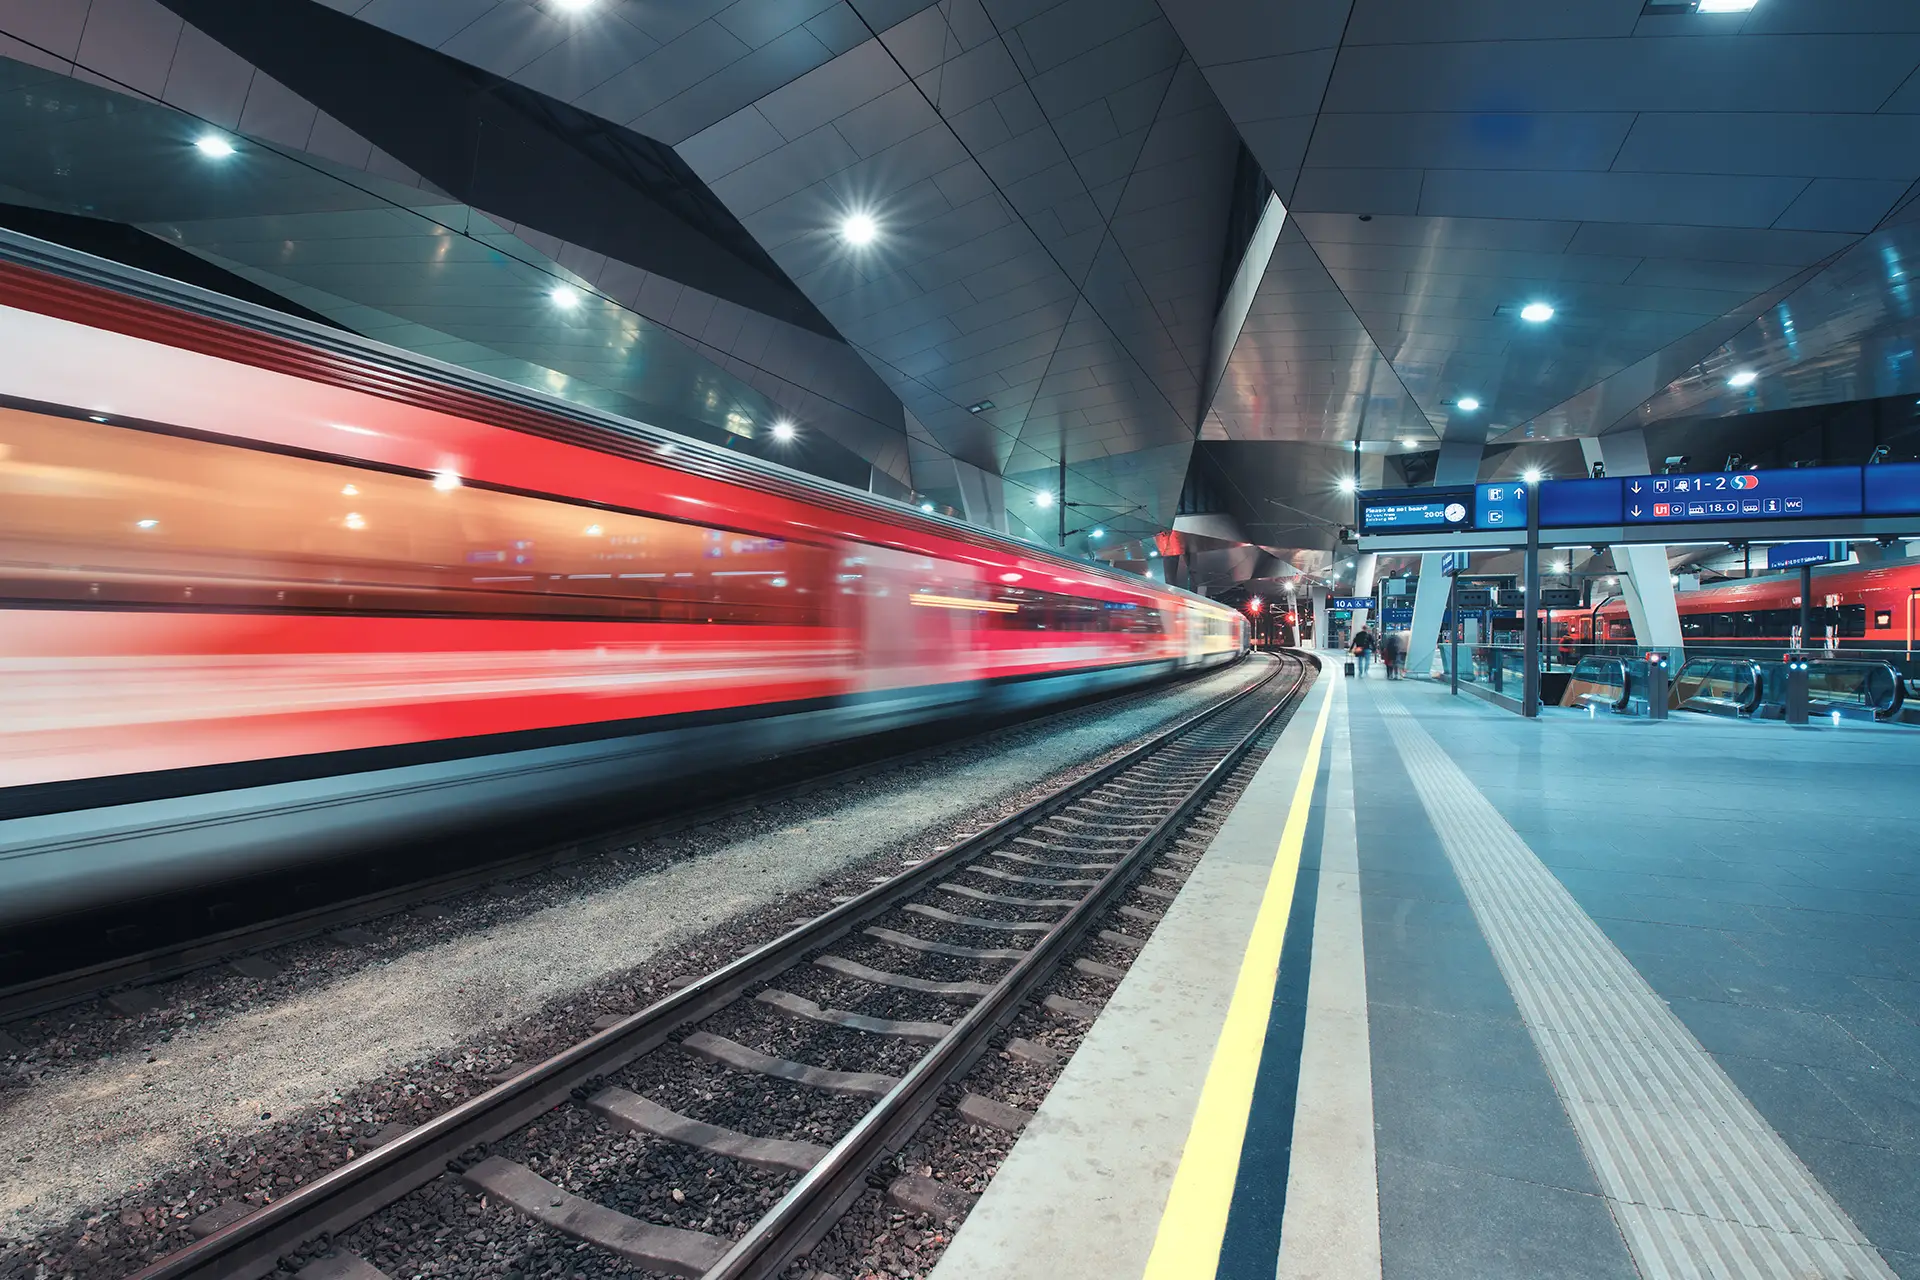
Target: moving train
1854, 608
274, 594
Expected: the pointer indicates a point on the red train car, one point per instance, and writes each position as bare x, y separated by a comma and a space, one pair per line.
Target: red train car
273, 592
1853, 608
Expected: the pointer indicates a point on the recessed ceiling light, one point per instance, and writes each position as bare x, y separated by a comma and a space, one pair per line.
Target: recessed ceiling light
212, 144
1044, 498
1725, 6
1097, 533
981, 407
573, 5
859, 229
1744, 378
565, 296
1348, 484
1531, 475
1411, 443
1468, 403
1536, 313
783, 430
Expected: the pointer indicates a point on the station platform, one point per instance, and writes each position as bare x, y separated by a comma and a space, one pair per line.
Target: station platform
1457, 994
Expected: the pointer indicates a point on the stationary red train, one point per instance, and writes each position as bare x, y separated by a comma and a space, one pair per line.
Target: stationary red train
273, 592
1854, 608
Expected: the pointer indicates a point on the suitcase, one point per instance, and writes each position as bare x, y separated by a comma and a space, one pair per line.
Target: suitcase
1349, 666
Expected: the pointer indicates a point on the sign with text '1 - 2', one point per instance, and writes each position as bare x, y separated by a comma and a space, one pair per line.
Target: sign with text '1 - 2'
1744, 495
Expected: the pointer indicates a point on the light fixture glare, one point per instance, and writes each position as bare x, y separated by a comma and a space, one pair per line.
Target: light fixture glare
1744, 378
1348, 484
1531, 475
565, 296
212, 144
783, 430
1468, 403
1044, 498
1536, 313
859, 229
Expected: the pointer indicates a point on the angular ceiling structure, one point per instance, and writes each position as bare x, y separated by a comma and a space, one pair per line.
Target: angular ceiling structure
1266, 243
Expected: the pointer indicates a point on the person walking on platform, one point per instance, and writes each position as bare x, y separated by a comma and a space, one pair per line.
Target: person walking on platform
1362, 651
1393, 646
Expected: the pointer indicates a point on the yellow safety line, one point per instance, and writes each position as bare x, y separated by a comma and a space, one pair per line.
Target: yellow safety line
1194, 1223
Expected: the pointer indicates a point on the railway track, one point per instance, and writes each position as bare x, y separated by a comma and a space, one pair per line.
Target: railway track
937, 961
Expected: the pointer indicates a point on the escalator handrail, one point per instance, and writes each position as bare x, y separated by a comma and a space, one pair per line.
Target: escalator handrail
1619, 664
1894, 682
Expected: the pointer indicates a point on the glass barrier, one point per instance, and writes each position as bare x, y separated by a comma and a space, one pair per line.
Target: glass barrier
1597, 681
1719, 685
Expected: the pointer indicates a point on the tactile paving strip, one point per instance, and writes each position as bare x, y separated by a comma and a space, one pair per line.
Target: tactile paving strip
1700, 1184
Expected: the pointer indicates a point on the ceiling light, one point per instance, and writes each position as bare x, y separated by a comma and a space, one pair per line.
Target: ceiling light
1411, 443
573, 6
1098, 533
98, 417
982, 407
1044, 498
859, 229
1536, 313
783, 430
1725, 6
212, 144
1468, 403
565, 296
1744, 378
1531, 475
1348, 484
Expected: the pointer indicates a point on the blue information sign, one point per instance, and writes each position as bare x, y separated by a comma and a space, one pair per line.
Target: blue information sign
1349, 603
1573, 504
1452, 562
1893, 489
1434, 512
1500, 506
1791, 555
1396, 618
1744, 495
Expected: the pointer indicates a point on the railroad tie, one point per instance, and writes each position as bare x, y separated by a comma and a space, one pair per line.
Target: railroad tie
668, 1249
980, 895
911, 943
1038, 881
881, 977
1032, 1051
643, 1115
1067, 1008
990, 1113
1178, 877
1056, 846
801, 1007
978, 922
731, 1053
1126, 940
1154, 891
340, 1265
916, 1194
1151, 917
1094, 969
1050, 862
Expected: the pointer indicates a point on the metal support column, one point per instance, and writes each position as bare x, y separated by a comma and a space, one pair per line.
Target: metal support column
1530, 625
1060, 498
1806, 607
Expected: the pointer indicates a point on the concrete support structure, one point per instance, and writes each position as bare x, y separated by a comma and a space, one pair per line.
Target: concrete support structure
1318, 597
1645, 582
1459, 463
1364, 568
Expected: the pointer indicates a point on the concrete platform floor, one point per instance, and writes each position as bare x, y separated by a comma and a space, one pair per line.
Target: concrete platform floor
1574, 998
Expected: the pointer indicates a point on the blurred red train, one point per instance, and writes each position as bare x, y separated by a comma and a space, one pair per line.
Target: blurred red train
1854, 608
272, 593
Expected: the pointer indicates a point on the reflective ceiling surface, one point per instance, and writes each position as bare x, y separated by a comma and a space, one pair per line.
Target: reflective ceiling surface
1060, 199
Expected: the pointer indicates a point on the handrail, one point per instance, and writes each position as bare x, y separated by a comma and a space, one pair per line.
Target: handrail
1884, 707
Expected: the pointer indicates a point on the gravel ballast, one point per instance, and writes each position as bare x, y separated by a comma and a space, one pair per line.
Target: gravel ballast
122, 1130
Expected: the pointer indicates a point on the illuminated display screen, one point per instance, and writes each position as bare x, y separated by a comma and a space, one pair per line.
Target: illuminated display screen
1417, 510
1743, 495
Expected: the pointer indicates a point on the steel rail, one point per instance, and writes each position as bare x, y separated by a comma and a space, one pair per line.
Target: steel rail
801, 1218
335, 1201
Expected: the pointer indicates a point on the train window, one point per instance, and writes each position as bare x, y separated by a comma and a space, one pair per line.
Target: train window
1883, 619
1852, 621
98, 515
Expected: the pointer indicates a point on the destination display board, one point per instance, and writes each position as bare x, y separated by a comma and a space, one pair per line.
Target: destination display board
1579, 504
1417, 510
1474, 598
1791, 555
1559, 597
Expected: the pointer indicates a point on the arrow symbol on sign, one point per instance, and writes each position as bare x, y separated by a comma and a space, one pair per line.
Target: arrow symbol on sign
1636, 486
1636, 508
